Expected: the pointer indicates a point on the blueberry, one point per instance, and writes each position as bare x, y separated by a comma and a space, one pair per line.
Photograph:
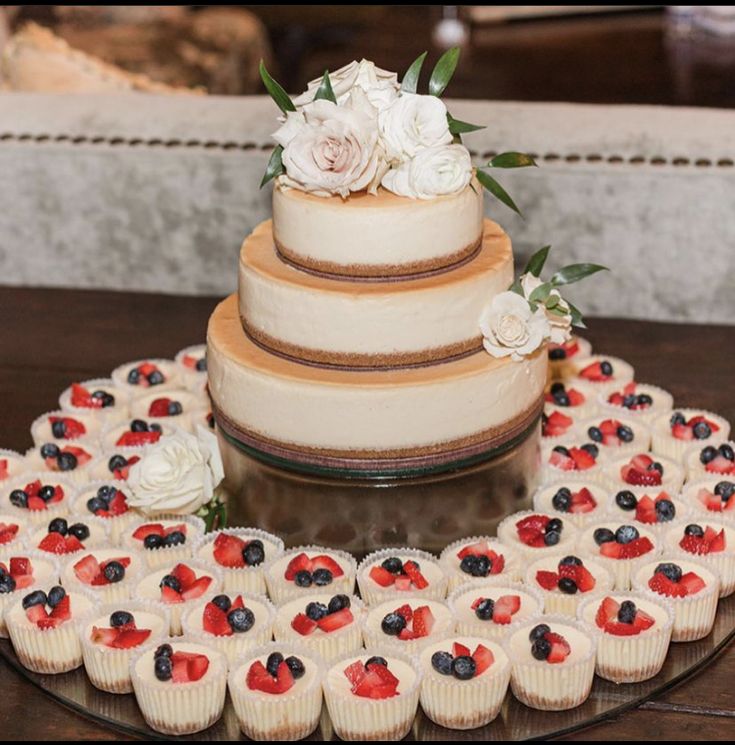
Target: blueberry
552, 537
155, 378
393, 624
201, 365
272, 663
116, 462
254, 553
484, 609
95, 504
7, 584
561, 450
80, 531
709, 453
630, 400
50, 450
541, 648
468, 564
669, 570
296, 666
121, 618
726, 451
656, 466
538, 631
163, 650
67, 461
46, 492
155, 427
138, 425
556, 387
241, 620
603, 535
170, 581
55, 595
568, 586
677, 418
665, 511
152, 541
18, 498
694, 529
58, 429
175, 408
595, 434
223, 602
606, 368
393, 565
562, 500
322, 577
701, 431
338, 603
644, 400
163, 668
627, 611
316, 611
38, 597
302, 579
463, 667
58, 525
571, 561
483, 566
592, 449
106, 492
442, 662
557, 353
561, 398
626, 500
114, 571
134, 376
725, 489
625, 433
626, 534
376, 660
175, 538
554, 524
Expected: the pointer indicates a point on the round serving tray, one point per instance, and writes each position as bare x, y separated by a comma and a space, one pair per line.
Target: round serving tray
515, 721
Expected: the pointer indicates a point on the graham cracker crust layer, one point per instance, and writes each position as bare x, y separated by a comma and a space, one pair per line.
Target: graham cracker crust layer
379, 272
356, 361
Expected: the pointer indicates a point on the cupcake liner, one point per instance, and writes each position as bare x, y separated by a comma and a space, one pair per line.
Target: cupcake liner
237, 644
329, 646
623, 372
373, 594
508, 534
279, 590
112, 433
41, 429
664, 443
630, 659
165, 555
544, 494
16, 463
696, 470
358, 718
249, 579
488, 629
117, 412
465, 704
694, 615
98, 538
115, 525
457, 578
554, 687
21, 537
690, 495
291, 716
663, 402
167, 367
641, 435
671, 481
683, 512
181, 708
34, 518
116, 592
107, 668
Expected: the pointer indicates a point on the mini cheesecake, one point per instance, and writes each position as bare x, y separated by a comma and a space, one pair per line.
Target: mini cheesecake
137, 377
230, 622
101, 397
553, 663
565, 358
692, 587
712, 496
578, 457
408, 626
465, 681
64, 537
173, 406
276, 691
577, 400
106, 503
564, 580
71, 460
133, 434
373, 695
619, 546
112, 636
674, 432
178, 587
22, 571
110, 574
36, 497
192, 362
479, 559
492, 610
42, 626
656, 509
616, 436
180, 685
636, 401
536, 534
114, 465
574, 499
603, 373
330, 625
241, 554
558, 427
642, 472
63, 427
717, 459
400, 573
301, 571
709, 541
12, 464
633, 634
14, 530
164, 539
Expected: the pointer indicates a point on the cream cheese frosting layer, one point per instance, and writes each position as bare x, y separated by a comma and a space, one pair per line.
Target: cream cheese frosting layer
343, 322
431, 408
376, 235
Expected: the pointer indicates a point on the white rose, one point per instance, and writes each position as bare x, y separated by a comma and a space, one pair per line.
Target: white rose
510, 327
431, 173
177, 475
330, 149
380, 86
412, 123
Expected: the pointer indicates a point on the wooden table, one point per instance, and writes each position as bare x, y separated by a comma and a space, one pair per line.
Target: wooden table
50, 338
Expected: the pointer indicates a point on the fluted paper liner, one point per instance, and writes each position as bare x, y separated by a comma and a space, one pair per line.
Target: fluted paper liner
35, 518
544, 494
508, 534
166, 555
116, 525
663, 402
664, 443
512, 571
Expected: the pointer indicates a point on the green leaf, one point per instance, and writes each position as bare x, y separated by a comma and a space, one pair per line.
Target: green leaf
324, 91
443, 71
574, 273
541, 293
274, 167
410, 81
516, 287
496, 190
537, 261
457, 127
552, 302
511, 160
576, 316
282, 99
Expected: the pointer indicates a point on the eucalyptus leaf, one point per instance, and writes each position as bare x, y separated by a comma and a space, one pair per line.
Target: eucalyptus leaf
536, 262
496, 190
576, 316
541, 293
575, 272
324, 91
457, 127
410, 81
443, 71
511, 160
274, 167
282, 99
557, 310
517, 287
552, 302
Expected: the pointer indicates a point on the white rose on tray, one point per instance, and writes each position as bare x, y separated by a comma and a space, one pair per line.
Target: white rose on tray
511, 328
559, 318
433, 172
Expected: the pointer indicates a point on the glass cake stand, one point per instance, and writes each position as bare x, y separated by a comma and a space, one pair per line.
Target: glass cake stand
515, 721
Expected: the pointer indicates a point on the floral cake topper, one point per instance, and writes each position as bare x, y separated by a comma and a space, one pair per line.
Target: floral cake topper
357, 128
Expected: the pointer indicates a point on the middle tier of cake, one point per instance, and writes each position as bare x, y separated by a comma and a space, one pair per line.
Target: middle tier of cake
352, 323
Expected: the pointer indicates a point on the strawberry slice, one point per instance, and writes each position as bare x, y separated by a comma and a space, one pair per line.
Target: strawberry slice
185, 575
560, 648
423, 621
561, 461
36, 614
692, 583
406, 612
460, 650
385, 675
327, 562
197, 588
582, 459
645, 510
505, 607
621, 629
130, 638
722, 465
73, 428
36, 504
303, 625
582, 501
418, 579
682, 431
556, 424
662, 585
718, 543
374, 686
20, 566
188, 668
480, 548
334, 621
584, 579
136, 439
299, 563
483, 658
159, 407
643, 621
82, 398
355, 672
694, 544
402, 583
54, 543
635, 548
531, 537
62, 610
381, 576
547, 580
259, 679
87, 570
214, 621
141, 533
594, 373
169, 595
100, 635
8, 532
228, 551
607, 612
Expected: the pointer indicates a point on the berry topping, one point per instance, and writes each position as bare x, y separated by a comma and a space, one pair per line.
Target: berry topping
574, 458
668, 579
500, 611
650, 511
696, 428
233, 552
319, 570
561, 396
140, 433
479, 560
122, 634
155, 535
539, 531
718, 460
222, 617
598, 372
563, 351
108, 502
328, 618
625, 543
35, 604
83, 399
642, 470
407, 624
556, 424
275, 677
393, 572
146, 374
119, 465
622, 619
571, 577
8, 532
547, 645
63, 539
183, 584
66, 428
165, 407
579, 502
703, 542
372, 680
36, 496
17, 574
91, 572
629, 399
